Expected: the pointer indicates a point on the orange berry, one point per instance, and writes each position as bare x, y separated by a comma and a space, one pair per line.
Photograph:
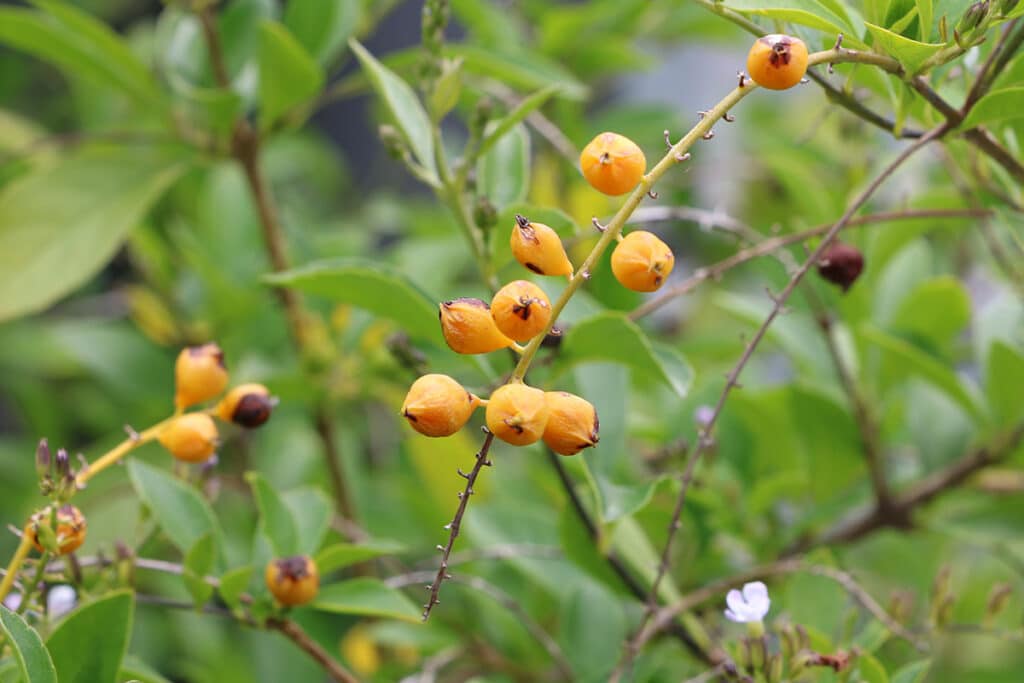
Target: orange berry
248, 405
777, 62
191, 437
641, 261
612, 163
292, 580
539, 248
469, 328
199, 375
71, 528
437, 405
572, 423
517, 414
521, 310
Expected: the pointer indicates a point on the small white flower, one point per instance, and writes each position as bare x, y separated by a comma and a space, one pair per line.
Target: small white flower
12, 601
750, 606
60, 600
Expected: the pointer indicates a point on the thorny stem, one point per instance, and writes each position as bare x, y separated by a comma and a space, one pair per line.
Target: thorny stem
24, 548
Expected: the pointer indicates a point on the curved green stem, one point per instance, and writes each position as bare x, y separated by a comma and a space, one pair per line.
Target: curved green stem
24, 548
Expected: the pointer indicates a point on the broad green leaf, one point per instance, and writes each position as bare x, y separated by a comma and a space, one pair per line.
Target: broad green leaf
925, 11
289, 76
199, 562
341, 555
592, 626
910, 53
134, 669
912, 673
517, 115
804, 12
181, 512
371, 285
613, 337
276, 519
311, 511
59, 225
405, 108
367, 597
88, 646
322, 27
1004, 377
523, 71
937, 309
995, 107
503, 174
234, 583
33, 661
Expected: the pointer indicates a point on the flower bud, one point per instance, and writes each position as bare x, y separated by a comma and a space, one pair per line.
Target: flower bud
62, 463
60, 600
998, 598
517, 414
841, 264
191, 437
393, 143
539, 248
521, 310
66, 538
248, 405
1007, 6
199, 375
641, 261
468, 327
43, 458
485, 214
972, 17
572, 423
437, 405
292, 580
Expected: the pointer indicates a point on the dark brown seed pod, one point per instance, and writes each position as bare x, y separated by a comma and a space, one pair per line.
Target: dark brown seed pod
841, 264
248, 405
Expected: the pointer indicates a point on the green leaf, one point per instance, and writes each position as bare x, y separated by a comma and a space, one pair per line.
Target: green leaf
611, 336
526, 70
276, 520
31, 656
311, 511
995, 107
405, 108
367, 597
503, 174
592, 625
234, 583
181, 512
804, 12
937, 309
517, 115
289, 76
322, 27
374, 286
88, 646
912, 673
1004, 377
134, 669
910, 53
59, 225
199, 563
341, 555
925, 11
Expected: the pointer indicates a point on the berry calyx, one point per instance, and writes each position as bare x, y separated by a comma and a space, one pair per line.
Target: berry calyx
191, 437
437, 405
517, 414
641, 261
612, 163
248, 405
70, 531
199, 375
572, 423
777, 61
292, 580
468, 327
539, 248
521, 310
841, 264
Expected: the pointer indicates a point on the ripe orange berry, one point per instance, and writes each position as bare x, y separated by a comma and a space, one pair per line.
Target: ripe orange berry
199, 375
517, 414
292, 580
539, 248
248, 405
777, 62
612, 163
437, 405
572, 423
521, 310
641, 261
191, 437
469, 328
71, 528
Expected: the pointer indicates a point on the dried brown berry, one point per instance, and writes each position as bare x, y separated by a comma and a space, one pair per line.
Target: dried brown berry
437, 405
572, 423
539, 248
292, 580
468, 327
841, 264
248, 405
517, 414
641, 261
199, 375
191, 437
521, 310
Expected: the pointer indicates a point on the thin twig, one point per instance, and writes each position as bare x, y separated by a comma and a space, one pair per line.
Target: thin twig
297, 635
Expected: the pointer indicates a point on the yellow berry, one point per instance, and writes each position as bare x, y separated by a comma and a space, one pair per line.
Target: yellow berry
71, 528
521, 310
199, 375
572, 423
468, 327
539, 248
641, 261
191, 437
612, 163
292, 580
248, 405
517, 414
437, 405
777, 62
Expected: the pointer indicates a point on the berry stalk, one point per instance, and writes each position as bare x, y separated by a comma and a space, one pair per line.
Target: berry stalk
24, 547
122, 449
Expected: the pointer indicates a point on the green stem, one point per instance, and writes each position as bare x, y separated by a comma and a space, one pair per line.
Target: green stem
30, 589
24, 547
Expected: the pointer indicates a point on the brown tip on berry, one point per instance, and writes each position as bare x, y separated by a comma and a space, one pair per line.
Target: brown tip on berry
293, 568
522, 221
253, 410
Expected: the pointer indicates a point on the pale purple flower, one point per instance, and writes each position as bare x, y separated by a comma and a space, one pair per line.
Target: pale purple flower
12, 601
60, 600
749, 606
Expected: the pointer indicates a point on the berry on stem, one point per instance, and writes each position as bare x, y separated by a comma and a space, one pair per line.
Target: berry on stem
199, 375
521, 310
248, 405
437, 405
191, 437
517, 414
612, 163
539, 248
777, 61
572, 423
641, 261
70, 531
841, 264
468, 327
292, 580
